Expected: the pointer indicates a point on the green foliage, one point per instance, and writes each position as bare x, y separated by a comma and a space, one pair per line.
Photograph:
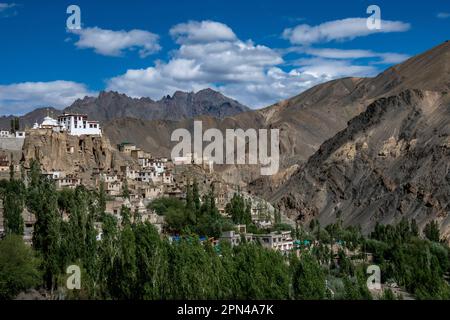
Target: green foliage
431, 231
152, 263
13, 205
356, 286
260, 273
122, 280
108, 251
277, 217
15, 124
239, 210
47, 236
18, 267
162, 205
184, 217
388, 295
416, 264
132, 261
308, 278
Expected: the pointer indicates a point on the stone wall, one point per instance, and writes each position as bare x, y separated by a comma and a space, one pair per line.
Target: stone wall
11, 144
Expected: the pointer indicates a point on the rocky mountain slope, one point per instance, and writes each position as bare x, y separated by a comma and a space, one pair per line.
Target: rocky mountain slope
391, 161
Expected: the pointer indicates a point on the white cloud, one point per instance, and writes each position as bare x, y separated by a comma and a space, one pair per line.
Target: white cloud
19, 98
328, 69
206, 58
345, 29
114, 43
352, 54
4, 6
443, 15
253, 74
200, 32
243, 70
332, 53
393, 58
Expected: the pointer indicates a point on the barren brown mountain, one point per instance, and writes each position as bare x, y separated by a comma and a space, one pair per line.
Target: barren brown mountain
391, 161
377, 147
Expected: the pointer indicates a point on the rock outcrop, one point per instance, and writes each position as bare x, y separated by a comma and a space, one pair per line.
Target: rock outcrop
71, 154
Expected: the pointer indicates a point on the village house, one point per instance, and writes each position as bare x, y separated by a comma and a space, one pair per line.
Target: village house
148, 175
114, 207
140, 154
70, 182
113, 188
4, 163
151, 192
54, 175
129, 173
107, 178
233, 237
158, 166
167, 178
126, 147
279, 241
175, 191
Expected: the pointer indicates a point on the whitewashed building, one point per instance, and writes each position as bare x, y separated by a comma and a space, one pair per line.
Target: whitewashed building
78, 124
73, 124
8, 134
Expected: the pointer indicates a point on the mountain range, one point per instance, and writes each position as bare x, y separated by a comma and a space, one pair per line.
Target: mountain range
366, 150
112, 105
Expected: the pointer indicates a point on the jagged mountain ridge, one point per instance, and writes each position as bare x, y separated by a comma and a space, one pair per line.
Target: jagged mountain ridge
111, 105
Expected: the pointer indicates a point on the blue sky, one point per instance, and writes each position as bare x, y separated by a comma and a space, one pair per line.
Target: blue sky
257, 52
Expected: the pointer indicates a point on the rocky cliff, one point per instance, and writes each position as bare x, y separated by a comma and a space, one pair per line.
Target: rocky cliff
71, 154
392, 161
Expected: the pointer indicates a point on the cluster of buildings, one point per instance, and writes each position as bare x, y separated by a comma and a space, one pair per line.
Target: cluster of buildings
143, 178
